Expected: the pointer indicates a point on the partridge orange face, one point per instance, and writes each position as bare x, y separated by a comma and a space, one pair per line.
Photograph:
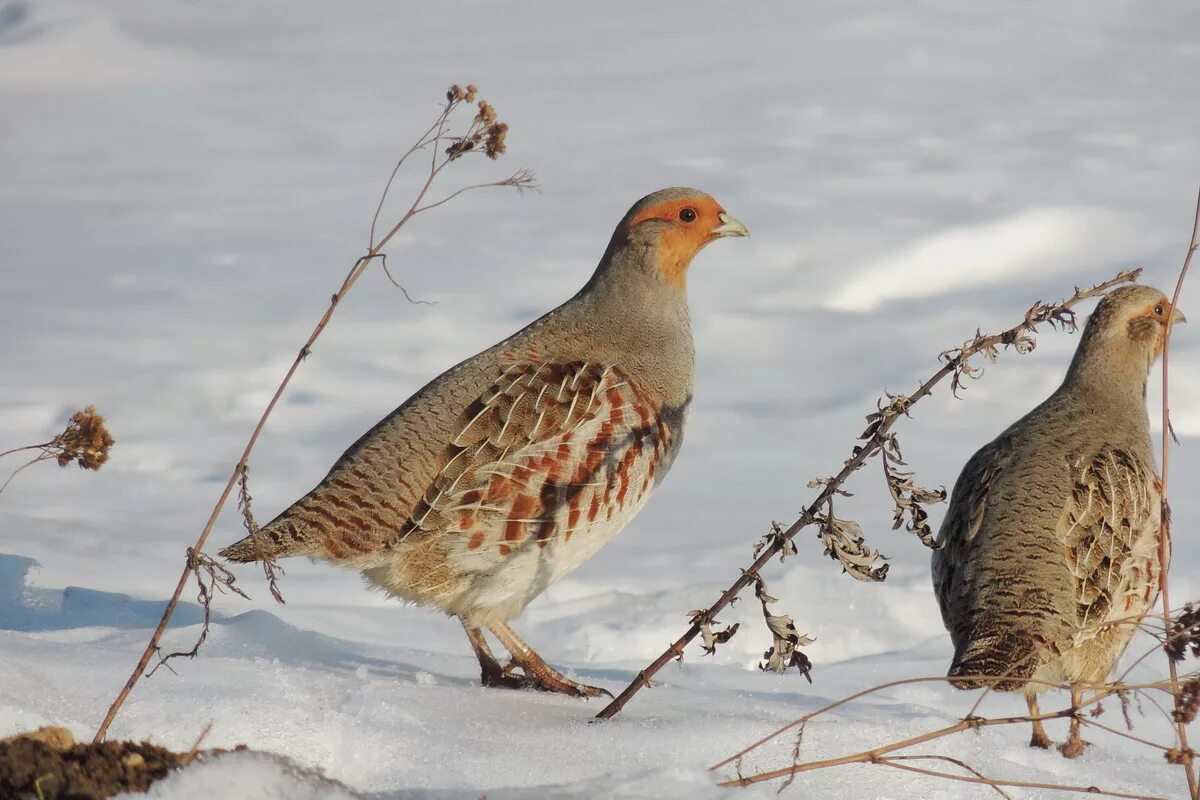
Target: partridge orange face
1149, 322
682, 227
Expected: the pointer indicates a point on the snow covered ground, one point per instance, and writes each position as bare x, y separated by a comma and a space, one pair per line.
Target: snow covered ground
182, 184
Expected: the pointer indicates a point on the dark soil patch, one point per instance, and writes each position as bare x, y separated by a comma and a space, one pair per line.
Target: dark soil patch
33, 770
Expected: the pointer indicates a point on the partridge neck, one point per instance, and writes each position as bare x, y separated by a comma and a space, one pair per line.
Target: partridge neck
639, 320
1114, 377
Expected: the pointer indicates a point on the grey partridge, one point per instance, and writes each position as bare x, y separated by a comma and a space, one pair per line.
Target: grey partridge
1048, 555
511, 469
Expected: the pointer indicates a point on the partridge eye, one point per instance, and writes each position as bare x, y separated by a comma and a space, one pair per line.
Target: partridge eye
688, 215
1158, 309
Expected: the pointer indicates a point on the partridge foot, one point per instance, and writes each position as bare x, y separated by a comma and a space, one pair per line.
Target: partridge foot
544, 678
1039, 737
1073, 747
535, 672
491, 673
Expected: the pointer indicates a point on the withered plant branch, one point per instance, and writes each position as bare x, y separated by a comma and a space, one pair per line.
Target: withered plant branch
872, 755
1141, 694
1186, 757
912, 681
26, 447
30, 463
795, 760
1177, 637
194, 751
397, 284
956, 364
883, 754
786, 641
996, 783
484, 133
85, 441
957, 762
211, 578
271, 570
969, 722
1123, 734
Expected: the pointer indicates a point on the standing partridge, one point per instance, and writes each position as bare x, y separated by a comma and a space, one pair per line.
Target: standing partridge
1049, 551
511, 469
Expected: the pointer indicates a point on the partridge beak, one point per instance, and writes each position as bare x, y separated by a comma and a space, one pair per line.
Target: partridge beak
1177, 316
731, 227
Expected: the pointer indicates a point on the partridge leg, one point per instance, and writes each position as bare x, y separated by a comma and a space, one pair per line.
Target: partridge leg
1039, 738
491, 673
536, 673
1073, 747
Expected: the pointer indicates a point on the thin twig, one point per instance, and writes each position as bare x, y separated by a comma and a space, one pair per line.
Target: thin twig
1186, 758
997, 782
30, 463
1102, 692
956, 762
422, 142
194, 751
26, 447
454, 98
956, 365
868, 756
1123, 734
219, 580
969, 722
1162, 641
876, 755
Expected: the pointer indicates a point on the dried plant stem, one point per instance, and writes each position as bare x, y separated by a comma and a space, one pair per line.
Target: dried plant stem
996, 783
433, 141
30, 463
1164, 639
822, 710
152, 645
1187, 757
194, 751
872, 755
85, 441
27, 447
884, 754
1126, 735
955, 364
950, 760
887, 752
1105, 692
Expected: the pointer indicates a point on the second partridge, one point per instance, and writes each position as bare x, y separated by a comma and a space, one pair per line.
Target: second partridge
1049, 551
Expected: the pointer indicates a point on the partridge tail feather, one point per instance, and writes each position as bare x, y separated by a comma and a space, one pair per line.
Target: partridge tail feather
270, 543
1005, 662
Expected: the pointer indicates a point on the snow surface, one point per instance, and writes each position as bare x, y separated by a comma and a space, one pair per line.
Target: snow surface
182, 184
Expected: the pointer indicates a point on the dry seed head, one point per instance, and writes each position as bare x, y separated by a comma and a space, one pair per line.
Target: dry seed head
1184, 634
486, 133
1187, 704
460, 148
487, 113
1176, 755
85, 440
494, 145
